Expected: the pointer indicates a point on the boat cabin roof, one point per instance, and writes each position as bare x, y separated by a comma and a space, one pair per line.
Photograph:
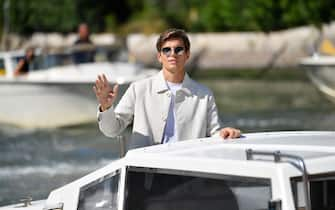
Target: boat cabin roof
318, 60
313, 147
305, 143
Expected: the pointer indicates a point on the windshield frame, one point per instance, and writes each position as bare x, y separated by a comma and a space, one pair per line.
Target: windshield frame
329, 176
243, 181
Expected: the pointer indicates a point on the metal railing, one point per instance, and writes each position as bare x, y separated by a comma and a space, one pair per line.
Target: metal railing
122, 142
295, 160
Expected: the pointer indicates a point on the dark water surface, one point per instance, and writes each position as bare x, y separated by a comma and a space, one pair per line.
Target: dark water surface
33, 162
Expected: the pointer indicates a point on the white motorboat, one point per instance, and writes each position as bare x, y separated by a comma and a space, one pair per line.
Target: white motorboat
275, 171
321, 71
57, 92
320, 68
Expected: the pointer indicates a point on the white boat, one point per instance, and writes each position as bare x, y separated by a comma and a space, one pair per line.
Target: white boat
274, 171
321, 71
57, 93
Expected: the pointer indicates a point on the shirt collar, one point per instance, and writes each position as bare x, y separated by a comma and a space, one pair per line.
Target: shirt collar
160, 85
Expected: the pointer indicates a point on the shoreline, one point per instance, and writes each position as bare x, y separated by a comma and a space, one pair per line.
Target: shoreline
225, 50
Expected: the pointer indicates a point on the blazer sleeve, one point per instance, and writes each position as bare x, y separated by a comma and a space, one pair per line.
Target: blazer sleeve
114, 120
213, 119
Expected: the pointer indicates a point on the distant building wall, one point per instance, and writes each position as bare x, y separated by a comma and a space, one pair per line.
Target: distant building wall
208, 50
240, 50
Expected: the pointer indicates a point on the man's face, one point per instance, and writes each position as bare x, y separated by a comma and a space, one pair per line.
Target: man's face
83, 32
173, 55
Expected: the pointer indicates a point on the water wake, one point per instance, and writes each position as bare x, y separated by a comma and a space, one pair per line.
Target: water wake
52, 169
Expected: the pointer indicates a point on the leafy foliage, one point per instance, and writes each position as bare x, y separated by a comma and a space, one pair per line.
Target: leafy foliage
27, 16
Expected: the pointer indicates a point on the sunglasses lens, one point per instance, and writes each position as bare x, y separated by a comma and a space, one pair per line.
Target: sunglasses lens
179, 50
166, 51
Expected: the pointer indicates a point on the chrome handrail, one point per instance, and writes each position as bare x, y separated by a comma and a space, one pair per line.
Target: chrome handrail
122, 142
26, 201
295, 160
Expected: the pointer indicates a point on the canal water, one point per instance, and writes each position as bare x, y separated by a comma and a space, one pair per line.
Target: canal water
33, 162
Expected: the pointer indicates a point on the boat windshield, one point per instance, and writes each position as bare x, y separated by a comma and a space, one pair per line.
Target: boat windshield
43, 60
322, 192
163, 189
100, 194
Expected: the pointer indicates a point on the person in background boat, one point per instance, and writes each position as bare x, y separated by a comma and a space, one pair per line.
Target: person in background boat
23, 65
166, 107
83, 48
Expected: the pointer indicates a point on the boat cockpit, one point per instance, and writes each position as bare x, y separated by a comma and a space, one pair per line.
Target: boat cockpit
46, 58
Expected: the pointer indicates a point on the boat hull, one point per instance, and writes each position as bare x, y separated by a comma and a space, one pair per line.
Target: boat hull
321, 71
46, 105
324, 80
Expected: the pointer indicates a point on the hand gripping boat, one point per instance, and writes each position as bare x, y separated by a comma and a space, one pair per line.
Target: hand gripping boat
275, 170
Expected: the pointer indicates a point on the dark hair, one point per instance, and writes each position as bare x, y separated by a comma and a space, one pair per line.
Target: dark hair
173, 33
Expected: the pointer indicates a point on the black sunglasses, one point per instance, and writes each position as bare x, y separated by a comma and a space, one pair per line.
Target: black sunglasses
168, 51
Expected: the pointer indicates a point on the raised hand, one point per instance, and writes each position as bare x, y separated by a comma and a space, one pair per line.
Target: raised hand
105, 94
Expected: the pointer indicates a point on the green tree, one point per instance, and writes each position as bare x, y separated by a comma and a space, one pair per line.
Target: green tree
300, 12
148, 16
39, 15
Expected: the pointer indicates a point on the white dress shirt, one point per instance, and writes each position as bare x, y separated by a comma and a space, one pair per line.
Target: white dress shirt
170, 135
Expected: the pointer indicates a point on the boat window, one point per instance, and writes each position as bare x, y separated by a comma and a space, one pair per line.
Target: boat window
15, 61
45, 61
322, 192
100, 194
2, 67
170, 190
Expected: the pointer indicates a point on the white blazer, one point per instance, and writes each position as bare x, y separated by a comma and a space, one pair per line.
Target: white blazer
146, 104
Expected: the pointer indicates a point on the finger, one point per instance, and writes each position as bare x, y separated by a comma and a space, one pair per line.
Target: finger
96, 90
98, 94
105, 81
98, 82
238, 133
235, 133
227, 134
230, 133
224, 133
100, 78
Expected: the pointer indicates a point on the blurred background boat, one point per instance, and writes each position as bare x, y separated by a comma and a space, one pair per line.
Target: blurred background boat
320, 68
57, 91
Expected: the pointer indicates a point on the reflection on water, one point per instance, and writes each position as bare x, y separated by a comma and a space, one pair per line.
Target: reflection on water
33, 162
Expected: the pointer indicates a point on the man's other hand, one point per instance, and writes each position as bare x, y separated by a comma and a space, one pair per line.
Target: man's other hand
230, 133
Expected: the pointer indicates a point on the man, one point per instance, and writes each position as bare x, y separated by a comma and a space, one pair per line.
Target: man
24, 64
83, 46
83, 34
167, 107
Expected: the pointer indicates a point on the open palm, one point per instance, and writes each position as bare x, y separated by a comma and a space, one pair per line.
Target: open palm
104, 92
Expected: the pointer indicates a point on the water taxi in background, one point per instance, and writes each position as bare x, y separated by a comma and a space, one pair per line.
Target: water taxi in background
273, 170
320, 68
57, 91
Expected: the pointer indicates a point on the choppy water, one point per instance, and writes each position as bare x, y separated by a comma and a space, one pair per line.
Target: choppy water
33, 162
